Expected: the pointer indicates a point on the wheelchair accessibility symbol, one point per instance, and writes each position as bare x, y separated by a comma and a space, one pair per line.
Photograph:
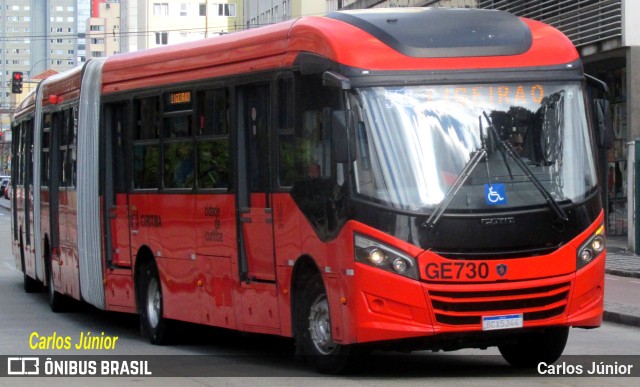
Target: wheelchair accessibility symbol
495, 194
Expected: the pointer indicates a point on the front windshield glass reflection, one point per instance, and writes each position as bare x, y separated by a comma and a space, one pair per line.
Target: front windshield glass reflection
414, 141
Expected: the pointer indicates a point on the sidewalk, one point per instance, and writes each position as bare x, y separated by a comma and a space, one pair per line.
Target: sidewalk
620, 262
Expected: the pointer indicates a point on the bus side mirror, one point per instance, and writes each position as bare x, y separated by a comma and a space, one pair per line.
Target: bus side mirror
603, 123
601, 111
342, 136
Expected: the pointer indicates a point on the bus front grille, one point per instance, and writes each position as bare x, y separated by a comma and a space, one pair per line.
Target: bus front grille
468, 307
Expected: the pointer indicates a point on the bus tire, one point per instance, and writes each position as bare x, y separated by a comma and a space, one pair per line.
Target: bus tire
31, 285
152, 322
531, 348
314, 333
56, 300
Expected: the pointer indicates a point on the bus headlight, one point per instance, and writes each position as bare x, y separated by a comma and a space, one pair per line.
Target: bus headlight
384, 257
591, 248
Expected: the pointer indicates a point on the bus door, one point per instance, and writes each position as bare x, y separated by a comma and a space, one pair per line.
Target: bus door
255, 215
116, 198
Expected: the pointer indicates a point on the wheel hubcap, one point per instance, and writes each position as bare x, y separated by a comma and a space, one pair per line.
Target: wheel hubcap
320, 325
154, 301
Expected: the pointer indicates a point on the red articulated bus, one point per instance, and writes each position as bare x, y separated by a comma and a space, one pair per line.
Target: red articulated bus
406, 178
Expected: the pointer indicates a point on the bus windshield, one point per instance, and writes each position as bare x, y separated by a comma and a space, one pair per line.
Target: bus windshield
414, 141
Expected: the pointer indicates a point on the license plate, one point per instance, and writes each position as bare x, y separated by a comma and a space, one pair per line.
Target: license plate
508, 321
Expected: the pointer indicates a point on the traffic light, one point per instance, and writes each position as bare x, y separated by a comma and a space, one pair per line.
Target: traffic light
16, 82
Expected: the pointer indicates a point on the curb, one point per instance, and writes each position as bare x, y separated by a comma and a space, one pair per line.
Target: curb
621, 314
623, 273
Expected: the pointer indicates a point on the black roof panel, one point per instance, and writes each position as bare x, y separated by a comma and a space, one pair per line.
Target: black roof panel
443, 33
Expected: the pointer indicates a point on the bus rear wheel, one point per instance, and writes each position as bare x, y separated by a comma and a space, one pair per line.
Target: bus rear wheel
314, 334
31, 285
531, 348
152, 322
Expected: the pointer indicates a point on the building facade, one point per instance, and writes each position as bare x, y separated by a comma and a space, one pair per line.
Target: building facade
163, 22
103, 30
262, 12
38, 35
15, 45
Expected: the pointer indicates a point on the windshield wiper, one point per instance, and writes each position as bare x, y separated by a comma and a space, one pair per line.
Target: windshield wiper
478, 155
462, 178
553, 204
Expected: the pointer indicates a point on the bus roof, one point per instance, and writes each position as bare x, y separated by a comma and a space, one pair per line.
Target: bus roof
62, 87
400, 39
26, 106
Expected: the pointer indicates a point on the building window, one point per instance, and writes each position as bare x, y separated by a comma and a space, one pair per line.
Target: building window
203, 9
161, 38
160, 9
225, 9
183, 9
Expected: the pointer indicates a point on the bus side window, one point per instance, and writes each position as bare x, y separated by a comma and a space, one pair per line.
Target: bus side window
60, 130
311, 145
285, 130
179, 168
315, 186
46, 161
146, 160
116, 116
146, 146
212, 139
213, 163
71, 164
147, 117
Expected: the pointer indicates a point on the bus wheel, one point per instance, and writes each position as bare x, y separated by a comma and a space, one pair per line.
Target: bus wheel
56, 300
153, 325
31, 285
314, 335
535, 347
